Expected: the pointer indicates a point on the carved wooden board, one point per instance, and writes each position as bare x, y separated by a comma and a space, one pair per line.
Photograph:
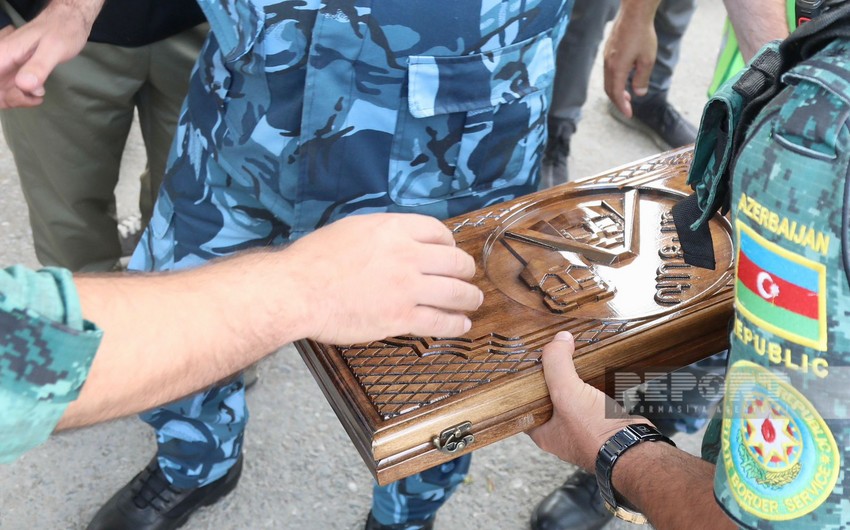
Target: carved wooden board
597, 257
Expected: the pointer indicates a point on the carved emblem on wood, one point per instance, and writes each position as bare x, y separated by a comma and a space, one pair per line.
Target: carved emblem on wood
607, 253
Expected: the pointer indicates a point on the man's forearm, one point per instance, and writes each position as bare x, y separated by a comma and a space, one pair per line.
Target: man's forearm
660, 480
756, 23
672, 488
630, 51
86, 9
166, 336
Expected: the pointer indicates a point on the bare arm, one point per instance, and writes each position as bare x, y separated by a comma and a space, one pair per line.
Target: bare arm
30, 53
756, 23
652, 476
362, 278
632, 45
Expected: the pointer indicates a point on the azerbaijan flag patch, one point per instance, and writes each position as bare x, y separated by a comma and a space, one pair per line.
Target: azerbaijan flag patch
780, 291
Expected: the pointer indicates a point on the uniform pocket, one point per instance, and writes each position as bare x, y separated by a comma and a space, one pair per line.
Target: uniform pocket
821, 104
471, 123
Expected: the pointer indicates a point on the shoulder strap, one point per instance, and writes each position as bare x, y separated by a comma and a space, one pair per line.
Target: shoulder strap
754, 88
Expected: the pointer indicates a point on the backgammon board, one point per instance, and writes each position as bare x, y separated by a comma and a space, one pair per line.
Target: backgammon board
598, 257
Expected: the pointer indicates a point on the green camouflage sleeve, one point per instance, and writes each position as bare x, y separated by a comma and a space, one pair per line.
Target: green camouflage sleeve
46, 349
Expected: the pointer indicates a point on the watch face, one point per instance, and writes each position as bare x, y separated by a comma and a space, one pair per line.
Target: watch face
642, 429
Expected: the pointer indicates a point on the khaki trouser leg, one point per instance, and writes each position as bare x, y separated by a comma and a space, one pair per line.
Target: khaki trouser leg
68, 153
68, 150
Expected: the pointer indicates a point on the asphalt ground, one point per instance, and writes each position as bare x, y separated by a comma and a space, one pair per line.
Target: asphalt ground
301, 470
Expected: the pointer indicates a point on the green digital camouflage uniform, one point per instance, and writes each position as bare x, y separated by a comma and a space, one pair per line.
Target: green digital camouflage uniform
785, 437
46, 349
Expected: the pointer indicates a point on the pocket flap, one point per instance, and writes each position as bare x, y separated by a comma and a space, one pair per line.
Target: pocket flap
829, 69
468, 83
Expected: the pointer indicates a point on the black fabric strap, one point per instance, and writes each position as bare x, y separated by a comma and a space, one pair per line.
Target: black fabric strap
765, 84
762, 73
697, 245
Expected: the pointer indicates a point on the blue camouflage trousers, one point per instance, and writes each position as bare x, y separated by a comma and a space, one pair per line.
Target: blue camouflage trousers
417, 498
200, 437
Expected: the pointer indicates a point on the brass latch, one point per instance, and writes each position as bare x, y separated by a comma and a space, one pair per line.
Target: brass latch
455, 439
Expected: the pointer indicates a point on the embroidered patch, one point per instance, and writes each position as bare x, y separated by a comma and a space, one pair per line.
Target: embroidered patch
780, 457
780, 291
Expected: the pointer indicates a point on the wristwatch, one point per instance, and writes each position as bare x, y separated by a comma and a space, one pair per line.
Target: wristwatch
629, 436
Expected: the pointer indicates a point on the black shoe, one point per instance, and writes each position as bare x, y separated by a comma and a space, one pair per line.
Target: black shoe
654, 116
149, 502
373, 524
576, 505
554, 169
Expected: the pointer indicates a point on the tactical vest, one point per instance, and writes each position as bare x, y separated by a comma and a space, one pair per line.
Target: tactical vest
784, 434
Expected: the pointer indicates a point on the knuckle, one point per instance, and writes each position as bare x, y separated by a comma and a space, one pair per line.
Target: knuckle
438, 321
457, 293
458, 265
436, 223
440, 231
468, 297
464, 264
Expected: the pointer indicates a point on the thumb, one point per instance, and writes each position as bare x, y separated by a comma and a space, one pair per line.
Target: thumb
558, 367
30, 83
34, 72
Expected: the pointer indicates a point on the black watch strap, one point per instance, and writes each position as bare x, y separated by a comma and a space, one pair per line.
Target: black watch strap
628, 437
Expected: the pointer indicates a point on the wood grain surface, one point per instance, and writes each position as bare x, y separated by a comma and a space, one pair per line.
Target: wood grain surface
598, 257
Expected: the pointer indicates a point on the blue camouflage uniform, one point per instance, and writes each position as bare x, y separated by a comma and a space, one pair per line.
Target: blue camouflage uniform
301, 112
46, 349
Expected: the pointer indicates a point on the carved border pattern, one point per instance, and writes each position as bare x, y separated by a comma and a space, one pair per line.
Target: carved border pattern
481, 220
402, 374
651, 168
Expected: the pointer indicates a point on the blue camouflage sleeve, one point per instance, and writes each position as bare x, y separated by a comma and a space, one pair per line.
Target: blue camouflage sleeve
46, 349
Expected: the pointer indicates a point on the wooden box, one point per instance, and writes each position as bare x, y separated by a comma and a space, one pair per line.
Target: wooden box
598, 257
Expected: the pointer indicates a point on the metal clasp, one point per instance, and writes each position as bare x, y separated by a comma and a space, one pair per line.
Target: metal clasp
455, 439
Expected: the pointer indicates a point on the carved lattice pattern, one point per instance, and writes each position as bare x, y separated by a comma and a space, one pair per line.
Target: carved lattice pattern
402, 374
